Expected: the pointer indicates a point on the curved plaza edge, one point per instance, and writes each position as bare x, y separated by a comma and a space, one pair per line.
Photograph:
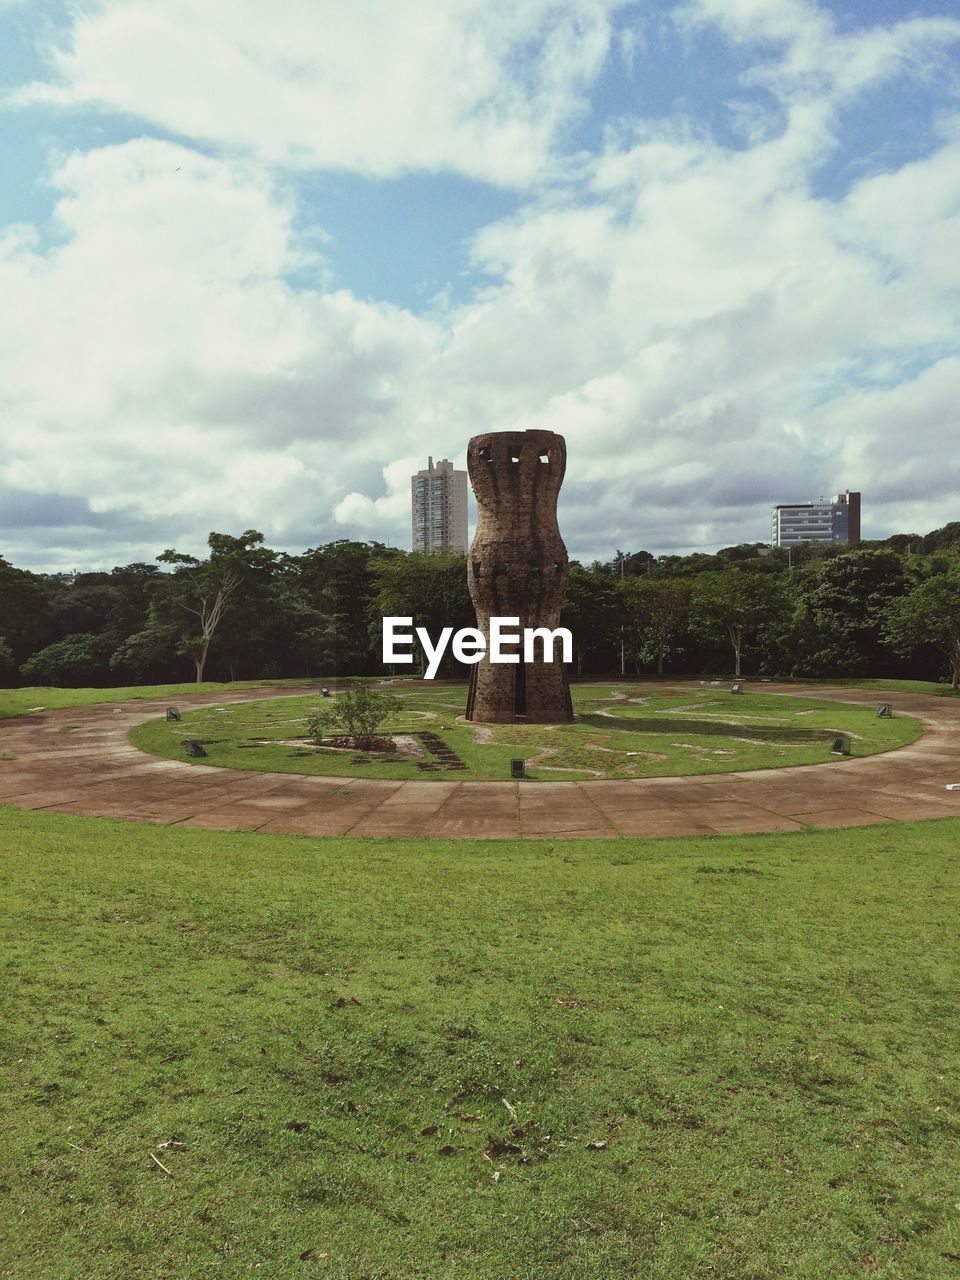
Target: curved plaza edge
95, 771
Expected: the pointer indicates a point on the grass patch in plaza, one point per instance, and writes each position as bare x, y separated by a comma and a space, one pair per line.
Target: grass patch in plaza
19, 702
622, 731
732, 1057
939, 688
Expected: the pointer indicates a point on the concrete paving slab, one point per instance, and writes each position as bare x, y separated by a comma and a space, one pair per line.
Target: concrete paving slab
840, 818
742, 824
463, 827
93, 769
270, 803
226, 821
310, 824
656, 825
45, 799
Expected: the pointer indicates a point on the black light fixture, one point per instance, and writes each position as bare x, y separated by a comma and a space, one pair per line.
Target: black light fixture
885, 711
194, 748
737, 686
516, 768
841, 745
173, 713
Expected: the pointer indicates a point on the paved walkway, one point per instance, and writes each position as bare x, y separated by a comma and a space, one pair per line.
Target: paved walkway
94, 770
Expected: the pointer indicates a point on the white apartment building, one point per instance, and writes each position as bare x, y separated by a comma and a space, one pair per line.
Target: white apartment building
438, 500
837, 521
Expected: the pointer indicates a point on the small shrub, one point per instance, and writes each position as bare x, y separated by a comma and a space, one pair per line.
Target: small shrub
356, 714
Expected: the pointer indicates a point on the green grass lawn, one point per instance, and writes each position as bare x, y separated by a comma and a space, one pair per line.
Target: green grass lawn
894, 686
733, 1057
17, 702
622, 731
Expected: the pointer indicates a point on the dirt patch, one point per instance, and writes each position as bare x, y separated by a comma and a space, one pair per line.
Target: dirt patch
374, 742
444, 755
546, 753
690, 706
399, 744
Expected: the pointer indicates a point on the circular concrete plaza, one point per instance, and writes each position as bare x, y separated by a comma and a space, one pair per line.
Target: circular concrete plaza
94, 770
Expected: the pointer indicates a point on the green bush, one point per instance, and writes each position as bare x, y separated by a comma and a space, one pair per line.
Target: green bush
74, 660
356, 714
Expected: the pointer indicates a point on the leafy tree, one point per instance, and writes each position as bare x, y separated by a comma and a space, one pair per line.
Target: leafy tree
256, 612
845, 599
131, 597
316, 629
24, 610
336, 585
82, 608
428, 586
736, 606
947, 538
74, 660
687, 566
657, 616
744, 551
899, 542
357, 714
200, 592
625, 564
591, 610
928, 616
148, 655
298, 631
7, 664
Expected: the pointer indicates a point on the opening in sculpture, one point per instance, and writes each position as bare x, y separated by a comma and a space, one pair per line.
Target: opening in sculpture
517, 568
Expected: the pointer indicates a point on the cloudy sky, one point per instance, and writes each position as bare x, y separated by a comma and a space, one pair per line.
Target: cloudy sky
258, 261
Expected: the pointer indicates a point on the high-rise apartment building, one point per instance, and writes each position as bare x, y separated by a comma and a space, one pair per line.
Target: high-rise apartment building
834, 522
438, 498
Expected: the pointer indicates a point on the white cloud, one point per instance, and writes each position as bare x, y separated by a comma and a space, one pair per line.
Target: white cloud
810, 54
709, 334
387, 510
901, 435
154, 359
704, 302
480, 87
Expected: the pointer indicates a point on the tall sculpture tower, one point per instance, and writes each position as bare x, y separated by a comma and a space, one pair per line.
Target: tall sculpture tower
517, 568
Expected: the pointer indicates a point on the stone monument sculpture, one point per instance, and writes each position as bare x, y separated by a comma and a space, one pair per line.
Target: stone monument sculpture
517, 568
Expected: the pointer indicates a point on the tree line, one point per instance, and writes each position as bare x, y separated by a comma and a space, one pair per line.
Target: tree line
889, 608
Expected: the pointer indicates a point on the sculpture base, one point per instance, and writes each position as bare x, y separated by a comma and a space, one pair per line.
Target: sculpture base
519, 693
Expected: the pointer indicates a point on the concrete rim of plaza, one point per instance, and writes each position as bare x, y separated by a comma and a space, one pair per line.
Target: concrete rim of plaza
95, 771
